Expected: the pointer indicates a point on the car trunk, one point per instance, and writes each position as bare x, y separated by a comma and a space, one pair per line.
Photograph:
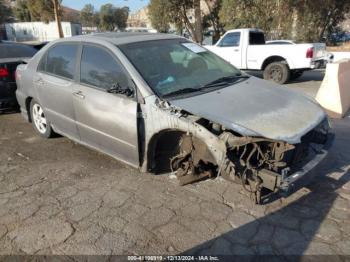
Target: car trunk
8, 81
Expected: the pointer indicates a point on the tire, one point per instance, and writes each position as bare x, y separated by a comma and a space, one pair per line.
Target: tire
40, 123
295, 74
278, 72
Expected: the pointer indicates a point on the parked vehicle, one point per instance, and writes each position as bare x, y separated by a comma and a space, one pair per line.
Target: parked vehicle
280, 42
11, 55
327, 58
160, 102
246, 49
40, 45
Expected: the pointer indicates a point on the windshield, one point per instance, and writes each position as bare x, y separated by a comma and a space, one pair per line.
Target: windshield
176, 66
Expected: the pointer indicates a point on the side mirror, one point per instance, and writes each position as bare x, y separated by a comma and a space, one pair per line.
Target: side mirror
117, 89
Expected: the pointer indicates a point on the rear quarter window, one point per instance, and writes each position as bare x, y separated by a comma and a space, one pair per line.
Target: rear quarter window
16, 50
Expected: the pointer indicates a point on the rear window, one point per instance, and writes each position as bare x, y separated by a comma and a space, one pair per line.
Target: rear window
256, 38
16, 50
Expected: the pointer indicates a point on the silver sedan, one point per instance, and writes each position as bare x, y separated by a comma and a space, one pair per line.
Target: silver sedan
161, 103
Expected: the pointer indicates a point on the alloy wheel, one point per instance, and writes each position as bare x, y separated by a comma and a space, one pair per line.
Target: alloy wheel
39, 119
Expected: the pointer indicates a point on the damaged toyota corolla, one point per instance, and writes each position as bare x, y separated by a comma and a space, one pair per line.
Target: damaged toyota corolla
162, 103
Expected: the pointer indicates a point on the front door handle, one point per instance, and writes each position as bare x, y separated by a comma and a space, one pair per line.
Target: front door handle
79, 94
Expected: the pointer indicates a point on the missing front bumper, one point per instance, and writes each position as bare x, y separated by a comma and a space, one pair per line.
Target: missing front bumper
304, 175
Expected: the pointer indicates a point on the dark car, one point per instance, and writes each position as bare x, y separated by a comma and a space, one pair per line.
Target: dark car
11, 55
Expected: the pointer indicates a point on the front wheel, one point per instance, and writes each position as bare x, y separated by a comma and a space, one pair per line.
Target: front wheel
278, 72
40, 123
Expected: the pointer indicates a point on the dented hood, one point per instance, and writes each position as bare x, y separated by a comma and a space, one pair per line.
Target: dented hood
256, 107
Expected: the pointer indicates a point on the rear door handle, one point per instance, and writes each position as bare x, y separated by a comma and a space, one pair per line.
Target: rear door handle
79, 94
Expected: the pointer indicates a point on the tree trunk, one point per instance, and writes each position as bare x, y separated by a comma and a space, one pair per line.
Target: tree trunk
188, 24
56, 6
198, 21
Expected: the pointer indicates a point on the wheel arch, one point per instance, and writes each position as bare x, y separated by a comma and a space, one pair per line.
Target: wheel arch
156, 145
27, 105
273, 59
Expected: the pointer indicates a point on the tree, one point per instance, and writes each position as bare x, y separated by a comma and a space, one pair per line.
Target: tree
301, 20
178, 12
41, 10
112, 17
21, 11
158, 11
87, 15
213, 18
107, 17
5, 13
120, 17
318, 18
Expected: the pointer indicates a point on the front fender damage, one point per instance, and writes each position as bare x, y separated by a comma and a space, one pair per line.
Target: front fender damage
207, 149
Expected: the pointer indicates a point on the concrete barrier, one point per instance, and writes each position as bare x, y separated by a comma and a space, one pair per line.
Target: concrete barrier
340, 55
334, 93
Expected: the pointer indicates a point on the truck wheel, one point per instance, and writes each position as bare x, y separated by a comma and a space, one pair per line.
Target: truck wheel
40, 123
277, 72
295, 74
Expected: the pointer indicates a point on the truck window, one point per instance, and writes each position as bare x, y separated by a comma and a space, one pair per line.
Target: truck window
231, 39
256, 38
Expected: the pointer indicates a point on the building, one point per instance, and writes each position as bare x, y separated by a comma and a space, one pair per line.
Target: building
39, 31
139, 19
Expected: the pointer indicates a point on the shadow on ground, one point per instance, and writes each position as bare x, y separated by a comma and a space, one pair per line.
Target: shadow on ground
288, 232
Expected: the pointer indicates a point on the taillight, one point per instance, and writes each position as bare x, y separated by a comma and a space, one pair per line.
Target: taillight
4, 72
310, 52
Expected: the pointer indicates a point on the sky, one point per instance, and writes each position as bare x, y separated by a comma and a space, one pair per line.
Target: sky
134, 5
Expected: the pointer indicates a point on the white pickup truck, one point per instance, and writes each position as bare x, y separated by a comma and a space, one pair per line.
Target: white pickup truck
246, 49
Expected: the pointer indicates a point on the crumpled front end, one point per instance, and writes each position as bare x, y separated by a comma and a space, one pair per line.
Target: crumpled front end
259, 164
203, 149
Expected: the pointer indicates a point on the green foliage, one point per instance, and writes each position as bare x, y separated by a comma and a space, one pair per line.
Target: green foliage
21, 11
112, 17
177, 12
213, 18
5, 13
159, 13
41, 10
301, 20
319, 18
87, 15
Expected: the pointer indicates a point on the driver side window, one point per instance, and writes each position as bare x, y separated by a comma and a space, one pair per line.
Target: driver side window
98, 68
231, 39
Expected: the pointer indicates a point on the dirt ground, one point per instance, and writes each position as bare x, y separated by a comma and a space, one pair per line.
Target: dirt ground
57, 197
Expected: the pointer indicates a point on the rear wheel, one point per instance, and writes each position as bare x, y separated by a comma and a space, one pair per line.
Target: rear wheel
278, 72
39, 120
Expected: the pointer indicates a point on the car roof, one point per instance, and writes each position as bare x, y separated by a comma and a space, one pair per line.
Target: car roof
119, 38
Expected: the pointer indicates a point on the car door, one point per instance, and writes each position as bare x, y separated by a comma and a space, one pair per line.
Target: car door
230, 48
54, 82
106, 121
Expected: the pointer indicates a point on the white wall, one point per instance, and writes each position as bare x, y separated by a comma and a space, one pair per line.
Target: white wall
39, 31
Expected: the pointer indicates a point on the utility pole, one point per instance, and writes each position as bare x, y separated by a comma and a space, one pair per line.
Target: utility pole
57, 7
